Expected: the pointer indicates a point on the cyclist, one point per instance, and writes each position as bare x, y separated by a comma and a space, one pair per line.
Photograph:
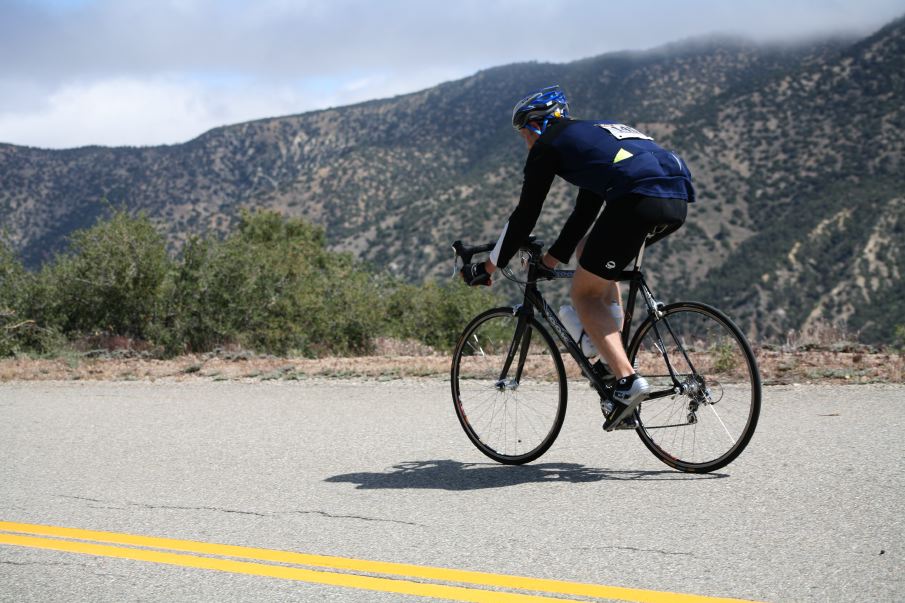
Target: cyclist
646, 189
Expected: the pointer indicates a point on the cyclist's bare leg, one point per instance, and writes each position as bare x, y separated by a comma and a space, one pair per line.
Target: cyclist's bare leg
614, 295
591, 296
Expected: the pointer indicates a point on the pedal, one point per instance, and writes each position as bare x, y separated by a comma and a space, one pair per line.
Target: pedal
628, 424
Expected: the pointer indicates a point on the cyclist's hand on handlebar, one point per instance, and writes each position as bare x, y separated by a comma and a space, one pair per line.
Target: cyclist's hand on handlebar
476, 274
547, 266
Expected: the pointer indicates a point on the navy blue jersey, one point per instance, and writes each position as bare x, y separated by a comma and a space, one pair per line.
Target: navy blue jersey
607, 161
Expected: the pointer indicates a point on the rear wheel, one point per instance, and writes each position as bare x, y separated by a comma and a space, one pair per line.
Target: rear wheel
710, 421
514, 417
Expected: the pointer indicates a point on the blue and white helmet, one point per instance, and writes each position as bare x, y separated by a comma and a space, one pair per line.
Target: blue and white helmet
542, 106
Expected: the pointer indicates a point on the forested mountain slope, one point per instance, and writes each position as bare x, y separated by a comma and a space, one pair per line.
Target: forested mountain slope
796, 151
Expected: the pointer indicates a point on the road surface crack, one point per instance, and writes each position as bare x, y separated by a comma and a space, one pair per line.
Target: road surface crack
639, 550
184, 508
361, 517
172, 507
238, 511
44, 563
83, 498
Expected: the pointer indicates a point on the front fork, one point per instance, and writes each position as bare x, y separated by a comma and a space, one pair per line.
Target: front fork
521, 341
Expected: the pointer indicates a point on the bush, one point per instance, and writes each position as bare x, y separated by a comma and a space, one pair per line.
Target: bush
436, 314
18, 332
110, 281
271, 286
14, 282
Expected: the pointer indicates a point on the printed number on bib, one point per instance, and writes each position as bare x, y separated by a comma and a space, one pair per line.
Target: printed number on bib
622, 131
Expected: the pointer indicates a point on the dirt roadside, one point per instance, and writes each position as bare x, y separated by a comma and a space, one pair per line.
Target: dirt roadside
777, 367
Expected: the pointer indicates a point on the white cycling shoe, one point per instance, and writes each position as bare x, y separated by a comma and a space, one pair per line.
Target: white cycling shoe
623, 399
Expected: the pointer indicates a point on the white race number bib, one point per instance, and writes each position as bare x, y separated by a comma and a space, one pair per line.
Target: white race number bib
622, 131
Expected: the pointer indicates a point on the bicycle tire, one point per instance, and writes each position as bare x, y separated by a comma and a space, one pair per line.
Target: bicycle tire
539, 399
725, 376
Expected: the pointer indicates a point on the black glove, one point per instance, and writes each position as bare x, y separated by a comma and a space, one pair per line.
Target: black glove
475, 274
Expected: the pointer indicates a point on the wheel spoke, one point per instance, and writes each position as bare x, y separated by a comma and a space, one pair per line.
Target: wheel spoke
509, 422
717, 415
708, 354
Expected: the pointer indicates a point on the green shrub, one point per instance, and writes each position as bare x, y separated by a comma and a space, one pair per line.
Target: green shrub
185, 325
436, 314
19, 332
110, 280
271, 286
899, 341
13, 280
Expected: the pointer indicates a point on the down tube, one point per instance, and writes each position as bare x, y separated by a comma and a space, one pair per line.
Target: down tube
562, 334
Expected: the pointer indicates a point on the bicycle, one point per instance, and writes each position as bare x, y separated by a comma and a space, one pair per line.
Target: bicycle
509, 386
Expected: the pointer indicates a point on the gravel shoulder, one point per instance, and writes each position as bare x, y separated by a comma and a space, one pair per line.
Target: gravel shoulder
777, 367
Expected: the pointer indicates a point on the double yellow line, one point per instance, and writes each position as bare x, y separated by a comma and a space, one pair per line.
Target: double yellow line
352, 573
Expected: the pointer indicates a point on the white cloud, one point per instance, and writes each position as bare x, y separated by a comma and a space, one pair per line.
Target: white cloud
131, 111
171, 109
106, 112
140, 72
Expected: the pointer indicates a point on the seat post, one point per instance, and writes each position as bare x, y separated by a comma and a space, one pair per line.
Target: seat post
640, 255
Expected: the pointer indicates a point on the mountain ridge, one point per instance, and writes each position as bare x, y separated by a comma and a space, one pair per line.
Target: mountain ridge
395, 180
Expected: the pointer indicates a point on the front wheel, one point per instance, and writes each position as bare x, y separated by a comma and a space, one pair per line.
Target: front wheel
707, 423
512, 415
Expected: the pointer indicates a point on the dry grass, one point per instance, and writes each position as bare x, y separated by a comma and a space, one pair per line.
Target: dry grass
778, 366
220, 368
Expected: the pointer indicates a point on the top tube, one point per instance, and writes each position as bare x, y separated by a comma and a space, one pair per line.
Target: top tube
625, 275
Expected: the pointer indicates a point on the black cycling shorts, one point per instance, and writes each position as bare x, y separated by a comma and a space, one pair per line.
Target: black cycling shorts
621, 228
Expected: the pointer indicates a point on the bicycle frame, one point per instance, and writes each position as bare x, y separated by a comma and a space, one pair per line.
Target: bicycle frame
661, 345
536, 302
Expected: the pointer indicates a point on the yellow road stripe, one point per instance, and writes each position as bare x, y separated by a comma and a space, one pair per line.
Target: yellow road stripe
438, 591
374, 567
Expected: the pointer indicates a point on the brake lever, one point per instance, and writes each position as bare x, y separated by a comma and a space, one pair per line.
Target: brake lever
456, 268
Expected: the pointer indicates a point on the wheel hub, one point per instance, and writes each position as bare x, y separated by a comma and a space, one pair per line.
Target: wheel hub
504, 384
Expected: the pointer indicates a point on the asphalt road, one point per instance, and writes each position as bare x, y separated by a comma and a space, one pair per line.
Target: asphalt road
381, 471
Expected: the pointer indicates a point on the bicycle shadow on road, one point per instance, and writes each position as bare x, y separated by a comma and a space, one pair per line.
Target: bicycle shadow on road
455, 475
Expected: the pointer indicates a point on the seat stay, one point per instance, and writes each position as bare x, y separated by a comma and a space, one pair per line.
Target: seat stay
661, 347
694, 371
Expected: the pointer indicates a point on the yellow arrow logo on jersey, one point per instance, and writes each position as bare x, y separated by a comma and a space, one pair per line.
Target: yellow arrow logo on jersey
622, 154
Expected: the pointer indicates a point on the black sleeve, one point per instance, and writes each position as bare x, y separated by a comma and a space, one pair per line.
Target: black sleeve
587, 206
540, 169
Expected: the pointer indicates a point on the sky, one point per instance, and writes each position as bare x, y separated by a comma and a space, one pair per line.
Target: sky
134, 72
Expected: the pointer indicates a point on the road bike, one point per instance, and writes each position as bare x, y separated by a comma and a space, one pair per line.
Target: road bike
509, 383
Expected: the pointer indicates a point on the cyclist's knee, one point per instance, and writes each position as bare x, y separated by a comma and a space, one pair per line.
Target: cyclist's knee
587, 285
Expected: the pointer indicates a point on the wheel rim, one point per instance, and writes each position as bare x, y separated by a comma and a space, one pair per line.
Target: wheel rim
505, 419
709, 424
